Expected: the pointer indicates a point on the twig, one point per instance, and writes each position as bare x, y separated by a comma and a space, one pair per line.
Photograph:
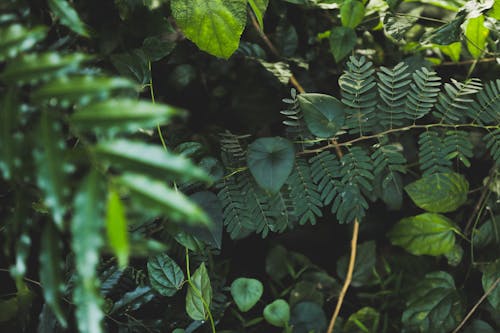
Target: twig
480, 202
474, 308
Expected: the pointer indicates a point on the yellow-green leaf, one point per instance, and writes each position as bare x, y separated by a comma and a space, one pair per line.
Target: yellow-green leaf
116, 226
476, 34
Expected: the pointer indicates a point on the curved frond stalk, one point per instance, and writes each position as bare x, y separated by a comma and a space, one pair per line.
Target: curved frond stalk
359, 95
486, 110
423, 93
455, 100
393, 86
457, 145
432, 155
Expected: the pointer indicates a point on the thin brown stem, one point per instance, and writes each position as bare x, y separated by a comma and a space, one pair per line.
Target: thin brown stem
480, 202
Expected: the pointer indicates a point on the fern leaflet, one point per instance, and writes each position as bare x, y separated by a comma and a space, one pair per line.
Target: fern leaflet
458, 145
487, 108
388, 159
325, 168
492, 141
432, 155
423, 93
455, 100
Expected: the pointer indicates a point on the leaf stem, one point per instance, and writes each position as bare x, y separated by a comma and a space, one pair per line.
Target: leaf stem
152, 93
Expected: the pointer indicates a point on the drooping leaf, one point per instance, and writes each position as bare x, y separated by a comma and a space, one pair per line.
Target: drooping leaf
365, 320
439, 192
270, 161
259, 8
434, 305
428, 233
160, 199
215, 26
51, 272
277, 313
121, 115
16, 38
352, 13
488, 233
447, 33
133, 299
116, 228
165, 275
199, 294
324, 115
148, 159
491, 276
308, 317
364, 266
133, 64
396, 26
475, 36
342, 42
68, 16
246, 293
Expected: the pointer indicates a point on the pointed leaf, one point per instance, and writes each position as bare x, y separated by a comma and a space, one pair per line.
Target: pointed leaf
15, 38
324, 115
199, 294
133, 299
68, 16
352, 13
491, 274
342, 42
165, 275
116, 227
475, 36
270, 161
246, 293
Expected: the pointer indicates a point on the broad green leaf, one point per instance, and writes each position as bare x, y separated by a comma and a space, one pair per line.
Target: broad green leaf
259, 8
52, 167
211, 204
87, 238
452, 50
455, 256
396, 26
270, 161
434, 305
68, 16
342, 42
10, 141
215, 26
324, 115
494, 12
308, 317
157, 47
152, 160
133, 300
51, 271
447, 33
246, 293
479, 326
121, 115
453, 5
365, 264
116, 227
15, 39
428, 233
440, 192
488, 233
199, 294
365, 320
352, 13
165, 275
277, 313
159, 199
79, 89
475, 36
306, 291
491, 275
133, 64
36, 67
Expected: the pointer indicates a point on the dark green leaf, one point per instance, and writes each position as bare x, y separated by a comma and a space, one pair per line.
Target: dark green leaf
246, 293
479, 326
133, 64
165, 275
440, 192
157, 47
10, 141
488, 233
365, 264
365, 320
51, 271
199, 294
447, 33
428, 233
116, 227
68, 16
491, 276
214, 26
342, 42
277, 313
259, 8
211, 204
352, 13
308, 317
434, 305
324, 114
134, 299
270, 161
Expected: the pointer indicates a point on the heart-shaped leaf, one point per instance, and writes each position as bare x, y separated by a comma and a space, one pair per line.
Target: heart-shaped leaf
277, 313
270, 161
323, 114
165, 275
342, 41
440, 192
246, 293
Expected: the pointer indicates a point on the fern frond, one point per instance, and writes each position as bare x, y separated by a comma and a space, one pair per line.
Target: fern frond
492, 141
432, 155
358, 92
393, 86
232, 146
388, 159
304, 193
455, 100
295, 126
457, 144
486, 110
423, 93
325, 169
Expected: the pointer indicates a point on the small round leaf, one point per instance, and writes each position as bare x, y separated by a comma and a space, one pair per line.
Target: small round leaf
246, 293
324, 115
277, 313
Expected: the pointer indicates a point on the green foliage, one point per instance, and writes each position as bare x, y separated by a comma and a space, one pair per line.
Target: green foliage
323, 114
277, 313
165, 275
246, 293
199, 294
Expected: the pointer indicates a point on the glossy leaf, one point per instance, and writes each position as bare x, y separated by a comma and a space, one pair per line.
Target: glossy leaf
246, 293
116, 227
352, 13
324, 115
148, 159
434, 305
121, 115
475, 36
87, 238
51, 272
491, 275
215, 26
162, 200
15, 39
277, 313
342, 42
259, 8
165, 275
68, 16
199, 294
452, 50
428, 233
270, 161
440, 192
